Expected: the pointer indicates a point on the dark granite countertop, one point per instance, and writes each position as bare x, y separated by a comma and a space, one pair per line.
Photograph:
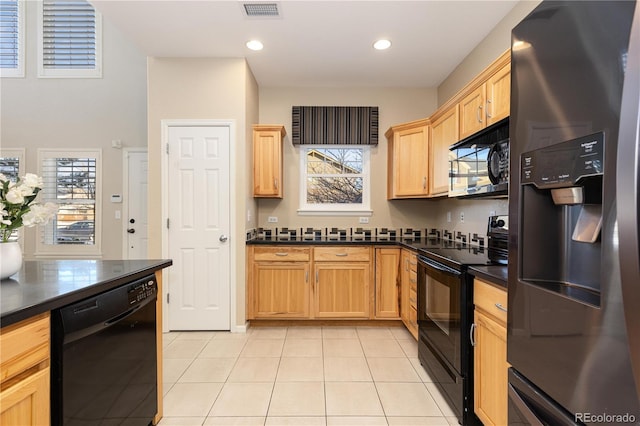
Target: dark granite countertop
41, 286
496, 274
411, 243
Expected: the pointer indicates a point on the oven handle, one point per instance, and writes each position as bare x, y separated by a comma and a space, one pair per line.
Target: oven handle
437, 266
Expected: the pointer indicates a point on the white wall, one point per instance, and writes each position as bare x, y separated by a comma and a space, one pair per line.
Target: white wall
395, 106
493, 45
79, 113
204, 88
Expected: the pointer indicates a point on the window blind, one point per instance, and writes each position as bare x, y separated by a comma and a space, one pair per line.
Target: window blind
334, 125
71, 184
9, 34
68, 35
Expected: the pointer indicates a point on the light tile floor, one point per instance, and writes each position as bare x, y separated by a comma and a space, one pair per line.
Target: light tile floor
271, 376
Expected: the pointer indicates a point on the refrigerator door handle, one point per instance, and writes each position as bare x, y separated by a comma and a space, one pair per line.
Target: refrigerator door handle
627, 181
523, 409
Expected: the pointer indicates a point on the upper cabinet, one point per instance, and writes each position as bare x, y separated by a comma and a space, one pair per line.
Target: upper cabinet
267, 160
418, 151
488, 102
444, 133
408, 160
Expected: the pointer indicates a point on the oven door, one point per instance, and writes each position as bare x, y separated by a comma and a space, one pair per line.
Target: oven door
439, 316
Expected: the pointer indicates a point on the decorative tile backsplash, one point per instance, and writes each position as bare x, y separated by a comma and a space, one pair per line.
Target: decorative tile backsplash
365, 234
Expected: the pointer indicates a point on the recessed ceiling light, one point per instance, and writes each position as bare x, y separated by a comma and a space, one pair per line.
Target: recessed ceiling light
382, 44
254, 45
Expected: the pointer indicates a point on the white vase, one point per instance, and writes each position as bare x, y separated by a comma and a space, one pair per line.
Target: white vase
10, 259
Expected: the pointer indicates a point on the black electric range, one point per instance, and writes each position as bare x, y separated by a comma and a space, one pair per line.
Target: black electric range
445, 312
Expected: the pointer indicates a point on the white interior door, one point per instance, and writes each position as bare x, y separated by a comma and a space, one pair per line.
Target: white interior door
199, 222
135, 214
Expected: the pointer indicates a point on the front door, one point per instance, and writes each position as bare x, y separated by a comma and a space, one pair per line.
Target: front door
198, 227
135, 213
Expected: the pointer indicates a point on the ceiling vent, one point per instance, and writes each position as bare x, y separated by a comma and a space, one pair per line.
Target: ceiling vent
261, 10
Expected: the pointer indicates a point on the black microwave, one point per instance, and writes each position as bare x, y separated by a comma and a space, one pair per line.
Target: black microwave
479, 164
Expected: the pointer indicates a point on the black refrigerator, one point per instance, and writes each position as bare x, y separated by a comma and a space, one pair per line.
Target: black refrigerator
573, 336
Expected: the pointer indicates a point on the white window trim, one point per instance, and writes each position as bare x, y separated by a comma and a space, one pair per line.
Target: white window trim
93, 251
20, 154
69, 73
19, 71
363, 209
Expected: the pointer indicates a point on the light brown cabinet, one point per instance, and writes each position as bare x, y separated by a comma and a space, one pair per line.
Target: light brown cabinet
280, 282
24, 372
408, 160
267, 160
387, 283
408, 291
444, 133
487, 103
490, 353
342, 277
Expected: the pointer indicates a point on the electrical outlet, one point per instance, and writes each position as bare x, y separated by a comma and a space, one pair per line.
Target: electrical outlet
449, 217
272, 219
461, 217
363, 219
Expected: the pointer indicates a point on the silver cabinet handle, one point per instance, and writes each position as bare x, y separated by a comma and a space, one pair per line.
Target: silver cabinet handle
479, 114
342, 254
424, 182
488, 109
282, 254
275, 183
471, 338
406, 266
502, 308
223, 238
316, 276
306, 276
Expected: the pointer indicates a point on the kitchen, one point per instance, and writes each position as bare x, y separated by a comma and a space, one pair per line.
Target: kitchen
405, 213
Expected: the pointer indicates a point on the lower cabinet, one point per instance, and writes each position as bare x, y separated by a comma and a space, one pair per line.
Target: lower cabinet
387, 283
342, 277
24, 372
490, 354
408, 291
281, 290
280, 282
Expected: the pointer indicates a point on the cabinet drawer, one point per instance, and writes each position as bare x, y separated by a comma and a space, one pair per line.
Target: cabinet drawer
282, 254
490, 299
413, 264
340, 253
23, 346
413, 298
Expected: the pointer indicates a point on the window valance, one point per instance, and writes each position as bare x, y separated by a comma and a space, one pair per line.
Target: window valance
334, 125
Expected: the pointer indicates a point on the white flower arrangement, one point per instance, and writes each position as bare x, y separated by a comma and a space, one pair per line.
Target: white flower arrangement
16, 205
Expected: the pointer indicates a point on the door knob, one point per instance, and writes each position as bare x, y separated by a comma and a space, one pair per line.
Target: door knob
223, 238
131, 231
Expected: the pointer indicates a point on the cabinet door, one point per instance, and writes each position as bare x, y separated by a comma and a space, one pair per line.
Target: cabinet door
410, 163
499, 95
267, 162
490, 363
444, 133
387, 281
281, 290
342, 289
472, 112
27, 401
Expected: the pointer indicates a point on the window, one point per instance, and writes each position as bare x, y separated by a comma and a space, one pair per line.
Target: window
12, 166
335, 179
12, 38
72, 181
70, 39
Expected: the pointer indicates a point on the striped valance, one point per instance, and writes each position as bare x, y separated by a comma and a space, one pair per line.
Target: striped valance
333, 125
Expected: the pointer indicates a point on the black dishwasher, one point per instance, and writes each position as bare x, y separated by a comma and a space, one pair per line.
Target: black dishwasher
104, 358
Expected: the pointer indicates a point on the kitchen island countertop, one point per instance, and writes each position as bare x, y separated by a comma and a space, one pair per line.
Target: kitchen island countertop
41, 286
